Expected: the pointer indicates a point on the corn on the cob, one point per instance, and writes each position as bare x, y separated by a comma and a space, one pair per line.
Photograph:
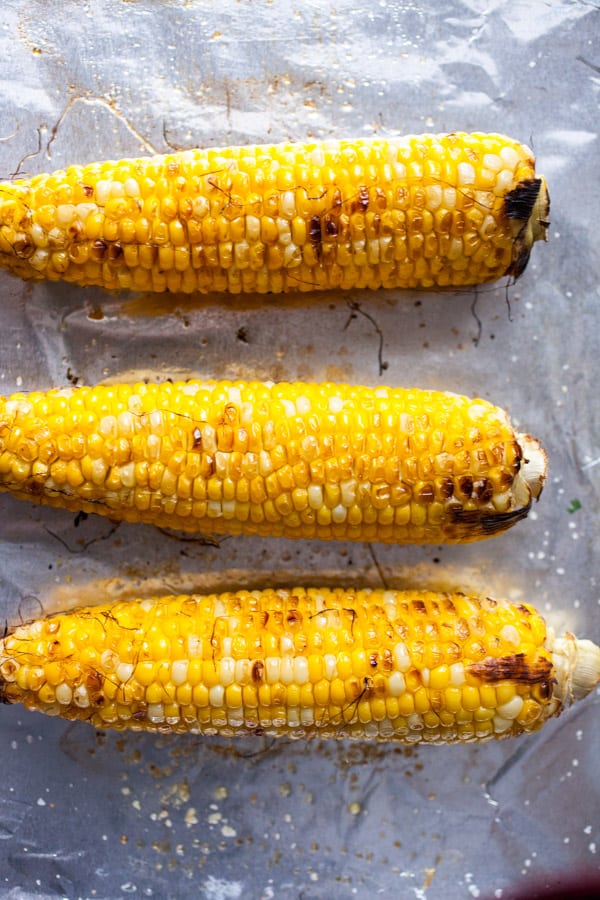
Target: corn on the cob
409, 666
417, 212
296, 460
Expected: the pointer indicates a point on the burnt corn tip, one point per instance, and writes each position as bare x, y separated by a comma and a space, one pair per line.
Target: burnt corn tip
527, 207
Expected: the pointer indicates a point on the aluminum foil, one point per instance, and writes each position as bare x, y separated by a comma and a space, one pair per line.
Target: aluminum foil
84, 815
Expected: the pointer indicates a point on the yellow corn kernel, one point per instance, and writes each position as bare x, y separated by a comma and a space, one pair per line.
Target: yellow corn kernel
295, 472
417, 211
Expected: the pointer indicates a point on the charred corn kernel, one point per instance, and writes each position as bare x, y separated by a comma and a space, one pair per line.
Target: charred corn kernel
319, 460
362, 686
418, 211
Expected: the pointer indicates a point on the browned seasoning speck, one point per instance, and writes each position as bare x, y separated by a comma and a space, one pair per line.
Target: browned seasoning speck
427, 494
23, 249
466, 485
484, 490
331, 228
98, 250
115, 251
314, 233
93, 683
446, 488
388, 661
230, 414
257, 670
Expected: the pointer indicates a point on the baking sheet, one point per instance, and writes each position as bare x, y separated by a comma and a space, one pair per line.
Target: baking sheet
108, 816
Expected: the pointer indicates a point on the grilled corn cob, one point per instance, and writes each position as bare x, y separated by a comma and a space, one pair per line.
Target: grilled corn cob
417, 212
390, 665
294, 460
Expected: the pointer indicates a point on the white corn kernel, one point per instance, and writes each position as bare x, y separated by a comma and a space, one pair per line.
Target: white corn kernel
124, 671
287, 204
339, 514
227, 670
301, 670
102, 191
131, 187
243, 671
315, 496
179, 670
510, 634
80, 697
501, 724
512, 708
396, 684
330, 664
510, 156
39, 259
466, 173
434, 195
272, 664
307, 716
38, 236
457, 674
109, 661
194, 644
503, 182
108, 426
401, 657
63, 694
155, 713
216, 696
286, 672
127, 475
65, 213
492, 161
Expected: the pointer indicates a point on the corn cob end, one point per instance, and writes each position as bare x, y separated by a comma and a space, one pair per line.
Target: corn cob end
579, 660
535, 466
528, 208
541, 211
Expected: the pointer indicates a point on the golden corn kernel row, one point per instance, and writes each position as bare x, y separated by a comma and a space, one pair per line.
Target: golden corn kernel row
420, 211
409, 666
296, 460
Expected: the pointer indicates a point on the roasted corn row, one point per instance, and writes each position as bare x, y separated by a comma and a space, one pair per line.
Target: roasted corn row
389, 665
295, 460
424, 211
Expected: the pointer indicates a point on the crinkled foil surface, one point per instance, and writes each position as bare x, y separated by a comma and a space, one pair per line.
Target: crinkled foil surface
84, 815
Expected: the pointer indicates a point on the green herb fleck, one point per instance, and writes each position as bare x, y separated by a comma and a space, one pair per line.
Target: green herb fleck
575, 505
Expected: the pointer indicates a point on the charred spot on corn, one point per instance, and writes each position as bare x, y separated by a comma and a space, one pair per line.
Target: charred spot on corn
315, 235
486, 523
528, 208
519, 203
515, 667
